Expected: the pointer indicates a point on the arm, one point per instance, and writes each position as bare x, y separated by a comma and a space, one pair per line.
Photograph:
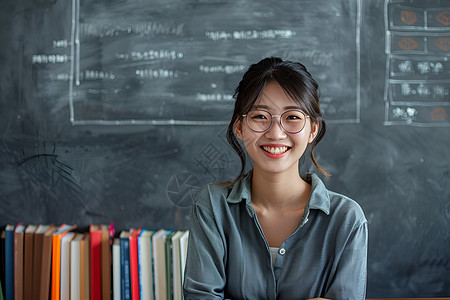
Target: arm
350, 279
205, 268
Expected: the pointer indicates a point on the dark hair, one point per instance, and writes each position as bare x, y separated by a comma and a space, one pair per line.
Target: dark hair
295, 80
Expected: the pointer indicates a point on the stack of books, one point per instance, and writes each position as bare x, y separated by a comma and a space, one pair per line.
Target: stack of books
48, 262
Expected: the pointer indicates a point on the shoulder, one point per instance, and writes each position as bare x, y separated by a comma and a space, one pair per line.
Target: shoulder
214, 195
338, 207
346, 209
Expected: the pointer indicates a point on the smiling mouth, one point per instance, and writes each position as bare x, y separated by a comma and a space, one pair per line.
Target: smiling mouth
275, 150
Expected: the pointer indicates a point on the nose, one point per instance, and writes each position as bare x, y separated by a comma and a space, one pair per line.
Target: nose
276, 131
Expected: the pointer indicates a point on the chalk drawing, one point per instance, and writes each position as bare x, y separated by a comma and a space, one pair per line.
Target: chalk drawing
417, 83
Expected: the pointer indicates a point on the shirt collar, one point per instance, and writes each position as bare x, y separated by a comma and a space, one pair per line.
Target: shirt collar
319, 197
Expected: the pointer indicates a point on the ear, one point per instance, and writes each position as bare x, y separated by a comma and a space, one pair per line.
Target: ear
314, 131
238, 129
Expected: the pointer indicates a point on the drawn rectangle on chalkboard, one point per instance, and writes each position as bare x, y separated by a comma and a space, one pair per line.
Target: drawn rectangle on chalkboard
417, 115
423, 92
419, 67
439, 18
134, 64
417, 83
406, 18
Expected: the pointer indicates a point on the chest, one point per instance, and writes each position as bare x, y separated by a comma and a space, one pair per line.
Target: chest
277, 227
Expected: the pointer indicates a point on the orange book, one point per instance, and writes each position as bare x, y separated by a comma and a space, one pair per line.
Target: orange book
96, 262
46, 263
134, 263
18, 261
84, 267
56, 259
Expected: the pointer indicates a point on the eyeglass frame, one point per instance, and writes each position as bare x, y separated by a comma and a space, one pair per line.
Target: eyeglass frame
271, 120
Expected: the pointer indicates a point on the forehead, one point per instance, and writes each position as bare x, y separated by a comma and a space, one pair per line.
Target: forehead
274, 97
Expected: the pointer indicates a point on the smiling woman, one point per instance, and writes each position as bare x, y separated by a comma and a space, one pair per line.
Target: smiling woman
273, 233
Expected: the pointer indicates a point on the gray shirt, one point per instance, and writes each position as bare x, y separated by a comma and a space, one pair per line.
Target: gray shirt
229, 257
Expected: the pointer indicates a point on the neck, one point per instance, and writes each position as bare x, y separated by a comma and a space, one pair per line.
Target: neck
279, 191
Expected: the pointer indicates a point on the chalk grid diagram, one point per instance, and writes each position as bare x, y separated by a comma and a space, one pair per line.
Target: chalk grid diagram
135, 64
417, 86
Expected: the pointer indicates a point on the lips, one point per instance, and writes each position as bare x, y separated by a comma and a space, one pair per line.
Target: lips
275, 151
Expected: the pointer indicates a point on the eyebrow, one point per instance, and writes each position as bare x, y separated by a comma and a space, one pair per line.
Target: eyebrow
266, 107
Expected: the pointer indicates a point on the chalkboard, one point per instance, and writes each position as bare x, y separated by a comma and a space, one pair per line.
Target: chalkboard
117, 111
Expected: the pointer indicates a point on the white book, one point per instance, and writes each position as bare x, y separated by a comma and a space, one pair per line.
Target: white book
159, 263
116, 268
75, 252
65, 266
183, 252
145, 265
176, 267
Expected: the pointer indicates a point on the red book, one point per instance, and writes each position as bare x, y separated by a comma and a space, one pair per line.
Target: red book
134, 263
95, 234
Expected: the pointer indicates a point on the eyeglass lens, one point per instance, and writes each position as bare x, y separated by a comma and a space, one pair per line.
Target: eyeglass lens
292, 121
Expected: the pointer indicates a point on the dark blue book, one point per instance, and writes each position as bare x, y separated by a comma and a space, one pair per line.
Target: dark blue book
2, 264
125, 277
9, 262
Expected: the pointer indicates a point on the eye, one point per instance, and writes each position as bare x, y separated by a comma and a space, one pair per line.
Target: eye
294, 117
260, 117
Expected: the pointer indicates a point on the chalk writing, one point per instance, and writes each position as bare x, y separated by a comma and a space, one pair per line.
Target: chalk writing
157, 74
444, 18
150, 55
60, 44
60, 77
439, 114
317, 57
214, 97
213, 160
409, 17
443, 43
49, 59
227, 69
407, 43
143, 29
250, 34
95, 75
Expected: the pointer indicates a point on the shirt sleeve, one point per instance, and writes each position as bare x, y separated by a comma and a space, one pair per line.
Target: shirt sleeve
350, 279
205, 268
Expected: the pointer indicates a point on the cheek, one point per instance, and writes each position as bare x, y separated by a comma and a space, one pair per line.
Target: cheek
250, 138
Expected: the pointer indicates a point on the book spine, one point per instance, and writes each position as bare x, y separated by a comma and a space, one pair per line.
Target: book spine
96, 276
75, 271
105, 264
28, 266
134, 268
125, 268
116, 271
9, 265
18, 266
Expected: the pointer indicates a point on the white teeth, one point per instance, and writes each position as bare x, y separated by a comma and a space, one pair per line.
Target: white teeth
275, 150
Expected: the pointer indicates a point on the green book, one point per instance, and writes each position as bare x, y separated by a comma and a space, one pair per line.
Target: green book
169, 265
1, 290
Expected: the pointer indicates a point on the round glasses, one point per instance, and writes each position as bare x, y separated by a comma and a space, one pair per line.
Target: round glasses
292, 121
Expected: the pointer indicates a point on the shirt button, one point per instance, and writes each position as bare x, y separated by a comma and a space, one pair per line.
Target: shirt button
282, 251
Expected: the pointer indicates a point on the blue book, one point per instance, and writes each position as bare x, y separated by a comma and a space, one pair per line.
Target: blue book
125, 277
9, 262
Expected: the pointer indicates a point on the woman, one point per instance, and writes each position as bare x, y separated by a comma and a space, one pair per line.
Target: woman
272, 234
